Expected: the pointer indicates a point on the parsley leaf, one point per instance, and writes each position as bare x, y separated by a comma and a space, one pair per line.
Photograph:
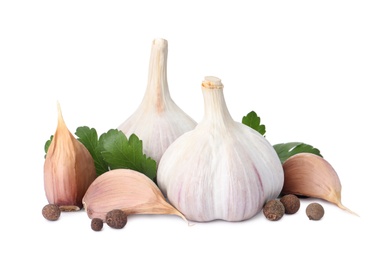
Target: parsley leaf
47, 144
286, 150
89, 138
120, 152
253, 121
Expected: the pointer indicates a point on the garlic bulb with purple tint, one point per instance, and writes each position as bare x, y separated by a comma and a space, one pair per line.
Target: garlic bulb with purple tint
222, 169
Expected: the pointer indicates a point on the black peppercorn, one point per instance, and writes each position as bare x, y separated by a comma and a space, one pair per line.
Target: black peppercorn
273, 210
96, 224
51, 212
291, 203
314, 211
116, 218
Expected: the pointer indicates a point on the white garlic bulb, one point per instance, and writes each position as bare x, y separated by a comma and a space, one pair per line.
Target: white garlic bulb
158, 120
222, 169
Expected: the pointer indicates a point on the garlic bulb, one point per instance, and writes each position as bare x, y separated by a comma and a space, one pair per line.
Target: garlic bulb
158, 121
222, 169
68, 169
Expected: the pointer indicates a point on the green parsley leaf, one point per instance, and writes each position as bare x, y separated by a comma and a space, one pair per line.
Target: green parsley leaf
89, 138
253, 121
286, 150
47, 144
120, 152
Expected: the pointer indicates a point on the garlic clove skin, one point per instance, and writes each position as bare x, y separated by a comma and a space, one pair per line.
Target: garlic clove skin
127, 190
222, 169
158, 120
309, 175
68, 169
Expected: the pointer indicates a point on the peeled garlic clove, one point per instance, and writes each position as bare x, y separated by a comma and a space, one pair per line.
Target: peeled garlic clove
222, 169
158, 121
68, 169
310, 175
127, 190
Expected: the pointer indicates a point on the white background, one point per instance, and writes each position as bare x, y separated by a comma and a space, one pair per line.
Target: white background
315, 71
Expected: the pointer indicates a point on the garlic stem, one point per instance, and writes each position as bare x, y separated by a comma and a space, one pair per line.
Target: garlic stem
157, 91
215, 108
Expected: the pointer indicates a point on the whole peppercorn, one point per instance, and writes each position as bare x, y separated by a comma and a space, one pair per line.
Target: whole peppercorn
273, 210
51, 212
291, 203
314, 211
96, 224
116, 218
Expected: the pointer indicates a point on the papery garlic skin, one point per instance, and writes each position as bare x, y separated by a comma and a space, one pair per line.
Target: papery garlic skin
222, 169
158, 120
68, 169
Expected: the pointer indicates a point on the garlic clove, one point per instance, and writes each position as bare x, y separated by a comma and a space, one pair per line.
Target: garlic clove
158, 120
68, 169
127, 190
222, 169
309, 175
